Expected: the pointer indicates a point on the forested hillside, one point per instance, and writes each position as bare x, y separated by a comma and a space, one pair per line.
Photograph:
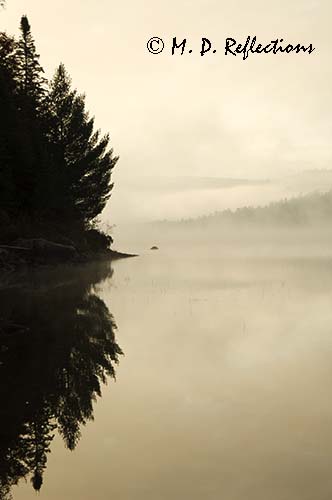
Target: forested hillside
304, 211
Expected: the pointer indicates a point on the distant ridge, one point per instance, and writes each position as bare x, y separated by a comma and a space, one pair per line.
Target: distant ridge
312, 208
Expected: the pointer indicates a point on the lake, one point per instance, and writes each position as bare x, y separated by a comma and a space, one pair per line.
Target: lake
223, 390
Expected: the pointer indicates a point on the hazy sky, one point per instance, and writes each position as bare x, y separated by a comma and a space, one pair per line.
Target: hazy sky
213, 116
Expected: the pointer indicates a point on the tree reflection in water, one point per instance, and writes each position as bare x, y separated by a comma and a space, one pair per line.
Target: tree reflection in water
57, 346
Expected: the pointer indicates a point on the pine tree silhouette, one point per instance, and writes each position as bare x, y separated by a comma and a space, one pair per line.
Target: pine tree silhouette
82, 155
30, 73
55, 168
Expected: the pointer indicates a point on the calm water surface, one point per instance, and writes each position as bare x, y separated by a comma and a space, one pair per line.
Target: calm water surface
224, 390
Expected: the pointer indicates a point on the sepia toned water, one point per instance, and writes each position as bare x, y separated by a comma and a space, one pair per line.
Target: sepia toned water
224, 390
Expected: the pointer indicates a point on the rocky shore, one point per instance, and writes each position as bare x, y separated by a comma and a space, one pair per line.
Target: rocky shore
38, 252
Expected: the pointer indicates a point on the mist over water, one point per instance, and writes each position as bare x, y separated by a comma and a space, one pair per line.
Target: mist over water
225, 387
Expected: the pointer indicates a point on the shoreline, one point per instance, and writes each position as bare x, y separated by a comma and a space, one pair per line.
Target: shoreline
12, 265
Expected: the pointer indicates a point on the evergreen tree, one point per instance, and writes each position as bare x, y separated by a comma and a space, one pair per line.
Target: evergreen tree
30, 73
53, 375
9, 122
83, 157
54, 166
40, 437
33, 176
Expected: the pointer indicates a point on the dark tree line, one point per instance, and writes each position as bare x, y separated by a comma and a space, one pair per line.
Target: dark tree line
54, 165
